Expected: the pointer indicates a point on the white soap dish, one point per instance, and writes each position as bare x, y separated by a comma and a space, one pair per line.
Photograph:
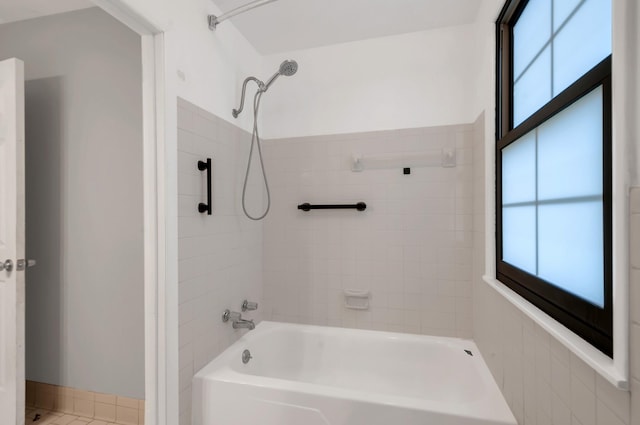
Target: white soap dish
356, 299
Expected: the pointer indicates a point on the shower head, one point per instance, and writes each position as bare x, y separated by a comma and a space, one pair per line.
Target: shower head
287, 68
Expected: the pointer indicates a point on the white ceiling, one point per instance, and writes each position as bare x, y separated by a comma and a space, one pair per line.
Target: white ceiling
18, 10
301, 24
287, 25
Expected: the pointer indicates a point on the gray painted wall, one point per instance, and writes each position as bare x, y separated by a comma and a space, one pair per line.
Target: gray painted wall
85, 322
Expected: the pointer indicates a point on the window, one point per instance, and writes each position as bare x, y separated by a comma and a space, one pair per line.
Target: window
553, 161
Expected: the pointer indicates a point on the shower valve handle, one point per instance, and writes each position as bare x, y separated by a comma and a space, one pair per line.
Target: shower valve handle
249, 305
230, 315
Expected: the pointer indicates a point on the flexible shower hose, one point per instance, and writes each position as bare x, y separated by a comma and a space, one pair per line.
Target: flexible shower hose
255, 140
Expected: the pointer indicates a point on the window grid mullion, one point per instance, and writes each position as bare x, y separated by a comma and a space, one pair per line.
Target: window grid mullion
548, 42
555, 201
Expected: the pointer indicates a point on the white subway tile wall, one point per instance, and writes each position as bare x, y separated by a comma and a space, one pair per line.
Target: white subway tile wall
541, 380
411, 247
220, 256
419, 248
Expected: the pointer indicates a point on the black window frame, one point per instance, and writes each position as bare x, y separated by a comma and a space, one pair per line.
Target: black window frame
593, 324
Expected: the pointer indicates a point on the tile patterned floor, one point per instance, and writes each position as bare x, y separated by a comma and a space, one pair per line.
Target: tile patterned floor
35, 416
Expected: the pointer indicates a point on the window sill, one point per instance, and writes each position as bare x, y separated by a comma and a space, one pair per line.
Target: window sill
602, 364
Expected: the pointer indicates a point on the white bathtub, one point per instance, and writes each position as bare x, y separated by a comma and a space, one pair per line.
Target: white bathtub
310, 375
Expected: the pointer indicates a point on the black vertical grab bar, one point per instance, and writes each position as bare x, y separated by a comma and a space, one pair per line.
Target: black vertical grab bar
202, 207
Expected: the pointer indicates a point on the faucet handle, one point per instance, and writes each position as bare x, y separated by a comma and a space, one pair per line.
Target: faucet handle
234, 316
249, 305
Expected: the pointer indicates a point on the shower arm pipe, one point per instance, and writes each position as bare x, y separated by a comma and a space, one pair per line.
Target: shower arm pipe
270, 81
261, 87
215, 20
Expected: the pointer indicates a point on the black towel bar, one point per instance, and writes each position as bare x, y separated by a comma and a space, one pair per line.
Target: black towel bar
360, 206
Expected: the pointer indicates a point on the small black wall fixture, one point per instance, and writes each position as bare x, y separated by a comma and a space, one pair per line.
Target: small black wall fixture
202, 207
360, 206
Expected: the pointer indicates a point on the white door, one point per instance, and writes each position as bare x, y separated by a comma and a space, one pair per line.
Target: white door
12, 292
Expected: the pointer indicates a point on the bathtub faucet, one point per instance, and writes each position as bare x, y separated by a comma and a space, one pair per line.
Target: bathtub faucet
237, 322
243, 324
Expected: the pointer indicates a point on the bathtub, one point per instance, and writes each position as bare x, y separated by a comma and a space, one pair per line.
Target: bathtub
311, 375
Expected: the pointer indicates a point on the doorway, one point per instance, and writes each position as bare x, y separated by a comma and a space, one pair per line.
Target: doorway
84, 184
